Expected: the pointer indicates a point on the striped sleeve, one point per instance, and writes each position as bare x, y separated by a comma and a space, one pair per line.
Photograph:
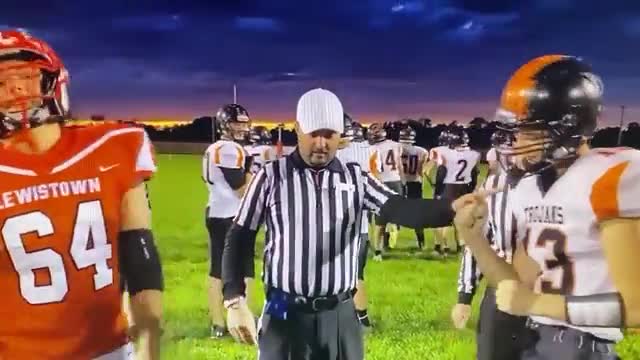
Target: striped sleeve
228, 155
375, 193
468, 277
252, 207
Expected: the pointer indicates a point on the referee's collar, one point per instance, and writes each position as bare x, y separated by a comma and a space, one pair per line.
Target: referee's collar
334, 165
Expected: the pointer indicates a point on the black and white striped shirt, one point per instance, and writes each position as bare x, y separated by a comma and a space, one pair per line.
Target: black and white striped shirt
313, 220
500, 230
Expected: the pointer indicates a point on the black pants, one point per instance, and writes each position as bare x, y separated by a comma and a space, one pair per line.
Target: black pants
500, 336
218, 228
413, 190
562, 343
327, 335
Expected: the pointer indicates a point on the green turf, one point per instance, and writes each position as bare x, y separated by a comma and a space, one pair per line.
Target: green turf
410, 296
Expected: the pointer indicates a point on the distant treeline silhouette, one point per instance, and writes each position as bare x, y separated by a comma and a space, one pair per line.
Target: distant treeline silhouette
479, 131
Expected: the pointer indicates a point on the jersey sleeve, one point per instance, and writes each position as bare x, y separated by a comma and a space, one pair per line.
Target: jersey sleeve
143, 162
375, 162
228, 155
491, 155
616, 192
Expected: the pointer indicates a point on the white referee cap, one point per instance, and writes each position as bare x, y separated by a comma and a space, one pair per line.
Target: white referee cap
320, 109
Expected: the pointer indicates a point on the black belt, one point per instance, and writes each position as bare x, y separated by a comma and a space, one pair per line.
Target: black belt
310, 304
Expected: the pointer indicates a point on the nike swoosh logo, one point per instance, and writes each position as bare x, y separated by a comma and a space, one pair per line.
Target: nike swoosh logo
107, 168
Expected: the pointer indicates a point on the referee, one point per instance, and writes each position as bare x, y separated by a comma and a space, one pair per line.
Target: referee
312, 206
500, 336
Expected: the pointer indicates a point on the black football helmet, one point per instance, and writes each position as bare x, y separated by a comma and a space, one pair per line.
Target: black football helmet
407, 136
498, 138
443, 138
457, 137
260, 135
376, 133
358, 132
234, 123
556, 101
347, 133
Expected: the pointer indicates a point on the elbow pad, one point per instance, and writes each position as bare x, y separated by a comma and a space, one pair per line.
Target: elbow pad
139, 261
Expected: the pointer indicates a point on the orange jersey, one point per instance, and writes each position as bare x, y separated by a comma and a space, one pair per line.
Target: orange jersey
59, 225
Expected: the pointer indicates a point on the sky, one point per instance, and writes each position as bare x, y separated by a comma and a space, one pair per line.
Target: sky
385, 59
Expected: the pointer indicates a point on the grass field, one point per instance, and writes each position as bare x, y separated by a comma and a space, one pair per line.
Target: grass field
410, 295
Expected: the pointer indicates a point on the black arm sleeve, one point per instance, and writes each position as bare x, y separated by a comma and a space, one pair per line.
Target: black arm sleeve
238, 246
417, 213
235, 177
441, 173
474, 178
139, 261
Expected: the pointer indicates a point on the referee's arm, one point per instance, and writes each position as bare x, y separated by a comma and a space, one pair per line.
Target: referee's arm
241, 237
468, 278
411, 213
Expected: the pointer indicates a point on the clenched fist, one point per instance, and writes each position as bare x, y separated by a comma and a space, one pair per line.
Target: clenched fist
471, 215
515, 298
460, 314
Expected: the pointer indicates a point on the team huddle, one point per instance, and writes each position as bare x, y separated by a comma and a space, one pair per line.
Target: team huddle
553, 228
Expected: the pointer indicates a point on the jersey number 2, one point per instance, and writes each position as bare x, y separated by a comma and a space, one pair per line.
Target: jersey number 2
559, 279
459, 176
89, 247
391, 160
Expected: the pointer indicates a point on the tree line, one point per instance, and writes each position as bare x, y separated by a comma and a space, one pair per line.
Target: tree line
479, 130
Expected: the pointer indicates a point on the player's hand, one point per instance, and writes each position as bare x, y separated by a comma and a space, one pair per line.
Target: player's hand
241, 324
515, 298
460, 314
471, 215
133, 332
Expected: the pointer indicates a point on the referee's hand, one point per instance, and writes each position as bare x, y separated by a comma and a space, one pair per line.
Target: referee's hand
460, 314
241, 324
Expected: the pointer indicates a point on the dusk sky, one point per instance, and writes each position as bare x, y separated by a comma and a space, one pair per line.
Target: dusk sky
386, 59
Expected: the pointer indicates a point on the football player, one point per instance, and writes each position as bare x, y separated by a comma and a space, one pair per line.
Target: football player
392, 175
74, 220
438, 185
461, 172
577, 213
226, 171
261, 147
492, 157
414, 159
354, 148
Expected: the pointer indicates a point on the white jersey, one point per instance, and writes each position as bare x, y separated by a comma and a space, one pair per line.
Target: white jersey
413, 159
391, 154
492, 155
368, 158
562, 225
223, 200
261, 154
459, 163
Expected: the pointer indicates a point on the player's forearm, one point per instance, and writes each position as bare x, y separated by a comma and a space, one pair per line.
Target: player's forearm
234, 256
417, 213
551, 306
242, 189
494, 268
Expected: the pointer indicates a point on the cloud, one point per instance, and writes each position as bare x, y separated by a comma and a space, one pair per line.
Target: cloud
262, 24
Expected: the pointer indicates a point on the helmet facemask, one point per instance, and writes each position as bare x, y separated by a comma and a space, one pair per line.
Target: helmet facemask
32, 92
527, 147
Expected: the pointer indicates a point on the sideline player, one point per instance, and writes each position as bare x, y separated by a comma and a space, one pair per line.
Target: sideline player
461, 173
354, 148
75, 220
226, 171
261, 148
439, 241
392, 176
414, 159
577, 213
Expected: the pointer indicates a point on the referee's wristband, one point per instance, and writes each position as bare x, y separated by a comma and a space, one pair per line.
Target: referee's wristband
465, 298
